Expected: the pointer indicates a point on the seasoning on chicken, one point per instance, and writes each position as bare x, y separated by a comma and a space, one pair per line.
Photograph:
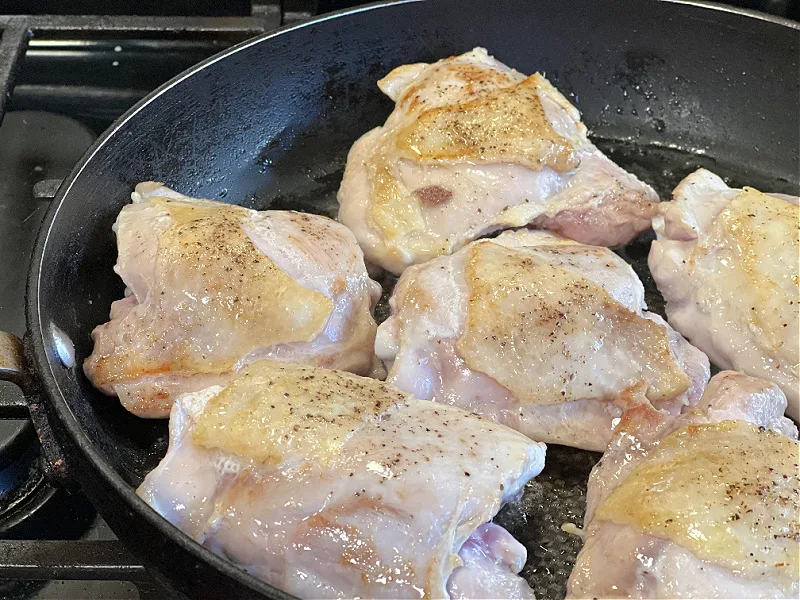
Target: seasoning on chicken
703, 506
212, 287
328, 485
538, 332
726, 262
473, 147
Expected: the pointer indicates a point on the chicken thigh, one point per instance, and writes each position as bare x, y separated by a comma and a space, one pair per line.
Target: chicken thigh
330, 485
538, 332
726, 262
212, 287
702, 506
472, 147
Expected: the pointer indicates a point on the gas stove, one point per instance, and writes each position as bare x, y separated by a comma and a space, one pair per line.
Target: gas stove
64, 79
71, 76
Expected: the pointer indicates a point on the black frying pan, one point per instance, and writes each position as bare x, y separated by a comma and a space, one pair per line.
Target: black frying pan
664, 86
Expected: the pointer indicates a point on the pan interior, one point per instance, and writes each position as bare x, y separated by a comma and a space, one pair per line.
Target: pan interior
665, 88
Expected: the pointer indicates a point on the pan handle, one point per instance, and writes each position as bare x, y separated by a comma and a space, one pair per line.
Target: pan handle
14, 367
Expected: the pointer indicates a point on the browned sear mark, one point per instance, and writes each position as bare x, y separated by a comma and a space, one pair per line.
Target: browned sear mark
433, 195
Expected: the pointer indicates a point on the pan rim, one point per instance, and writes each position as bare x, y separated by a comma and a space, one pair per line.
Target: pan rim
737, 10
45, 364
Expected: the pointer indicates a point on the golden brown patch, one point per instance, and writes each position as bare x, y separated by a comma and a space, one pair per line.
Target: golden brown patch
763, 231
541, 330
274, 410
508, 125
727, 492
339, 286
211, 278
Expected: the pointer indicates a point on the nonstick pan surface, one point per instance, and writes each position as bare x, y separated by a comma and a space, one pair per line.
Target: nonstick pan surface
665, 87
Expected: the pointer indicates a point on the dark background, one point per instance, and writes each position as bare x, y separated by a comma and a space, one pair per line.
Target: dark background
790, 8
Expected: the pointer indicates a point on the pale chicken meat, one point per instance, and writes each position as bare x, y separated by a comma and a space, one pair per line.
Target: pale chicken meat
330, 485
702, 506
537, 332
212, 287
472, 147
726, 262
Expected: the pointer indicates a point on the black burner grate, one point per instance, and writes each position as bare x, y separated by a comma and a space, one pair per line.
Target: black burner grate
31, 508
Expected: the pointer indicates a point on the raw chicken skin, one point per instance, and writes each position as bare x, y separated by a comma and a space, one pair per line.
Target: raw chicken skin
472, 147
330, 485
726, 262
212, 287
538, 332
702, 506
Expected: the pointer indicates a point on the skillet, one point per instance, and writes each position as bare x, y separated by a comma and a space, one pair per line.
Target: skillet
664, 86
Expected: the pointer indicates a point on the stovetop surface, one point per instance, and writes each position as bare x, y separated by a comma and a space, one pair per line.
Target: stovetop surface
67, 92
35, 146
